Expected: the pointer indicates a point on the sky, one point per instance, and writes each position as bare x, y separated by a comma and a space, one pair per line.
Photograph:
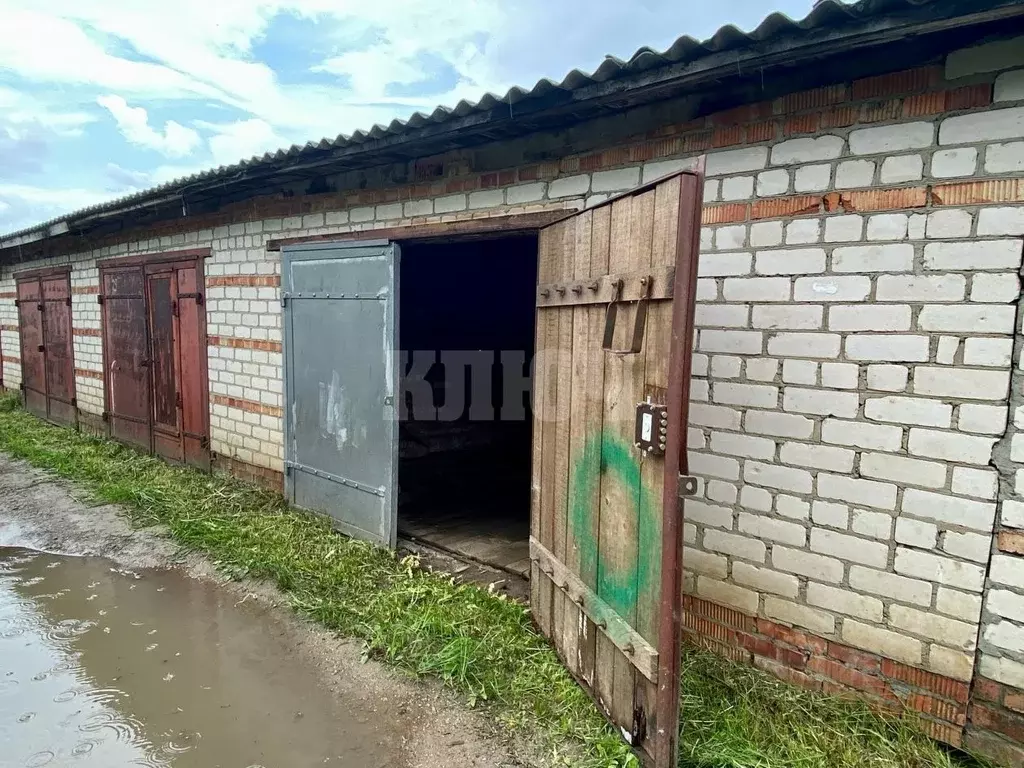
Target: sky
102, 98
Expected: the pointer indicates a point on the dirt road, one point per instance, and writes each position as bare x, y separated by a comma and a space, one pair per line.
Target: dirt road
118, 648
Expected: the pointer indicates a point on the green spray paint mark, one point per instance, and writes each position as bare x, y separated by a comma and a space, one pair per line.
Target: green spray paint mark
605, 456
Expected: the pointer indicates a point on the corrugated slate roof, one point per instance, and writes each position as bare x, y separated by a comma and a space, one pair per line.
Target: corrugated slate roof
826, 14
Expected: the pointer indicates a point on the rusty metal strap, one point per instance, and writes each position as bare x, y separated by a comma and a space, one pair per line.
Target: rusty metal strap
604, 289
636, 341
120, 416
101, 298
294, 465
632, 644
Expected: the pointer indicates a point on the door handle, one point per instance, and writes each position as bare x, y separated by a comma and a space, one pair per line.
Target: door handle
639, 322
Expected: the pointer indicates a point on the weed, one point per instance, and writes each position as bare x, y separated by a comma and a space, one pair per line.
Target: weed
481, 645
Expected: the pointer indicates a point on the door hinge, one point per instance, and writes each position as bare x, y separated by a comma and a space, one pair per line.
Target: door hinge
284, 302
204, 441
177, 399
22, 386
197, 296
67, 301
41, 348
174, 307
17, 302
42, 307
74, 402
99, 299
105, 416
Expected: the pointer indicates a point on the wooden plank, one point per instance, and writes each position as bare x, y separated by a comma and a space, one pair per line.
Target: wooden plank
551, 255
25, 274
537, 458
186, 254
585, 494
628, 641
577, 439
616, 568
642, 697
562, 412
599, 290
486, 226
657, 347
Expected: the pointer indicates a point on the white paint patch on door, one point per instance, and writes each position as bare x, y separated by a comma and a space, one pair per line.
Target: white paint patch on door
334, 410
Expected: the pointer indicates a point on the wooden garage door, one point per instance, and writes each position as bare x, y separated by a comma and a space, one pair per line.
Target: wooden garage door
154, 348
126, 355
47, 350
606, 538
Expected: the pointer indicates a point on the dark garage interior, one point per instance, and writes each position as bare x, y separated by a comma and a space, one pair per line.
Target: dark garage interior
465, 447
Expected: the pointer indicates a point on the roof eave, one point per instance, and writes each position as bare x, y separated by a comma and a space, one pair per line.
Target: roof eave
60, 227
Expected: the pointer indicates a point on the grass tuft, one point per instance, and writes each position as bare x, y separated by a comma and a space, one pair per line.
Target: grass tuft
481, 645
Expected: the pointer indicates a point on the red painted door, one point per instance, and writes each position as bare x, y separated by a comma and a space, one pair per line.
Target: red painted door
162, 293
47, 353
33, 362
154, 336
126, 355
58, 348
193, 384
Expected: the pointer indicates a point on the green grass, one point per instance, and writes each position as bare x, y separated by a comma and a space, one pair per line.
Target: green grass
481, 645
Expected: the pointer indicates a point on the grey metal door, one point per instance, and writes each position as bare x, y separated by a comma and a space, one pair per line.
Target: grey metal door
340, 345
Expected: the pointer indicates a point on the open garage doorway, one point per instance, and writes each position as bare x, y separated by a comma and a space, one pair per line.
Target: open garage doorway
466, 320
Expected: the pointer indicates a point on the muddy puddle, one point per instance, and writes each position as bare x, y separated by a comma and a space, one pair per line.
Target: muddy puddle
105, 667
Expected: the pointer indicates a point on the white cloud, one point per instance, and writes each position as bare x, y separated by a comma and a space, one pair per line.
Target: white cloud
46, 47
22, 109
175, 141
195, 55
243, 139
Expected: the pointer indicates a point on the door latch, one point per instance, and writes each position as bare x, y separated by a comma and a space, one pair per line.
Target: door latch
651, 431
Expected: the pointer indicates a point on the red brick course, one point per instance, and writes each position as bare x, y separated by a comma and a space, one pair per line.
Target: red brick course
228, 341
246, 405
245, 281
1011, 541
817, 664
900, 95
268, 478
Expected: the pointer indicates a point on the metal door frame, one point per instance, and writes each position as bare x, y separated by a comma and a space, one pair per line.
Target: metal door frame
670, 630
308, 252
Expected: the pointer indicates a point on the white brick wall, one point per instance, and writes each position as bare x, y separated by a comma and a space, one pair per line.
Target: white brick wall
851, 376
894, 337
